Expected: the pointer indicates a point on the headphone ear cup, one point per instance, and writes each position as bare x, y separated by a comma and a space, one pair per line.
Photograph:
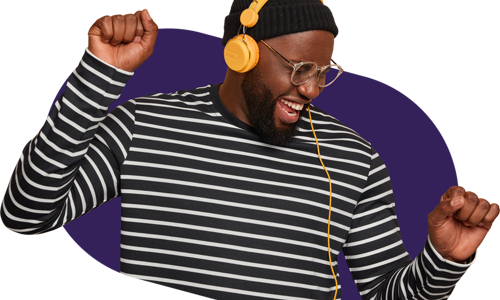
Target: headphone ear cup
240, 55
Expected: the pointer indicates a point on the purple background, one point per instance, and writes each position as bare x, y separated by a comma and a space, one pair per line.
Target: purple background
413, 150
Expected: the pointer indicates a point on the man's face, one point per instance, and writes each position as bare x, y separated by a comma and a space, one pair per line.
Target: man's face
261, 107
274, 104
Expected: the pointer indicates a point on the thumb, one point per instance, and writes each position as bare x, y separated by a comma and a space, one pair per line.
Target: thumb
445, 209
449, 207
150, 29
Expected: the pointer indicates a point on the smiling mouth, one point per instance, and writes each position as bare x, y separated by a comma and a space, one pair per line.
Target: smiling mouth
295, 106
289, 111
291, 108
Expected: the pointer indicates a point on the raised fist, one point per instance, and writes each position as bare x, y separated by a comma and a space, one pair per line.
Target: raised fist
123, 41
459, 223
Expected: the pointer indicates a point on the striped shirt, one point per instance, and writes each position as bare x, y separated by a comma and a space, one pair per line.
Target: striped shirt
210, 209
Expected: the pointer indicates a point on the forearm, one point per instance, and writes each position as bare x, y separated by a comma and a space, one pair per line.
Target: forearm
377, 258
50, 184
429, 276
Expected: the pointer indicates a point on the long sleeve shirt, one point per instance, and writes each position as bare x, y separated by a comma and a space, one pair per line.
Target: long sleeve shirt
210, 209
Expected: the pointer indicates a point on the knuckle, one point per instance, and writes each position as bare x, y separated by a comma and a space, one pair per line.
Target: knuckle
483, 204
130, 18
118, 18
102, 18
471, 197
105, 20
453, 192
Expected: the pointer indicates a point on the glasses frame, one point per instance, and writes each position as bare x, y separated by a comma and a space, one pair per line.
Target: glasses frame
300, 64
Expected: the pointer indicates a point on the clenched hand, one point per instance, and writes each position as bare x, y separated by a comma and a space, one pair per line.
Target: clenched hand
459, 223
123, 41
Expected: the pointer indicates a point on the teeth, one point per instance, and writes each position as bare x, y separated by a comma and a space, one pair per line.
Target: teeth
290, 114
293, 105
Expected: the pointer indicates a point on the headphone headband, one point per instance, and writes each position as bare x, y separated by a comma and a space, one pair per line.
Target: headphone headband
242, 52
250, 16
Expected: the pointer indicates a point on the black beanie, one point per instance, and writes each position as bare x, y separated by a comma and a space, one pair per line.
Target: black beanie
280, 17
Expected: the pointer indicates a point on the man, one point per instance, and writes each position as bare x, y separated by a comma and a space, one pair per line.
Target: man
211, 210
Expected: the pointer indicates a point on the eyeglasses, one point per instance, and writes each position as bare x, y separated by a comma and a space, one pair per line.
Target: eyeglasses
304, 71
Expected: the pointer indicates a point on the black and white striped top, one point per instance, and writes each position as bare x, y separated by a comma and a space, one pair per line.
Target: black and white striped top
210, 209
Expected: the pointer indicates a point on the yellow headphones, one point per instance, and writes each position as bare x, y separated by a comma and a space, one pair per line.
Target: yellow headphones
242, 55
242, 52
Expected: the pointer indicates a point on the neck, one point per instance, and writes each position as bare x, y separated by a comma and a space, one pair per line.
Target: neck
232, 97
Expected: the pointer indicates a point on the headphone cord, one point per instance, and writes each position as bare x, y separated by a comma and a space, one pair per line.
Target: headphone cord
330, 205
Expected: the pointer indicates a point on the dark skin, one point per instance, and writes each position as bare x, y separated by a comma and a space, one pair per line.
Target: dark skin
455, 231
313, 46
457, 225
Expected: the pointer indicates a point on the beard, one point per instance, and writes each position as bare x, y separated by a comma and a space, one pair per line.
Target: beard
261, 105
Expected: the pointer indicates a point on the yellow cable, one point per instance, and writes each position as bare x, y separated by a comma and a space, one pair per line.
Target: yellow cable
330, 205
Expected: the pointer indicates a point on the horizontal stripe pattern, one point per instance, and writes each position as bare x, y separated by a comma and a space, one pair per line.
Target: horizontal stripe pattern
207, 207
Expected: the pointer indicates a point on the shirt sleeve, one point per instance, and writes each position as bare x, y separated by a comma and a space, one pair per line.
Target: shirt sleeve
73, 164
379, 263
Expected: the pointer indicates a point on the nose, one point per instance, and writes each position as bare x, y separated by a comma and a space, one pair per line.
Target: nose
310, 89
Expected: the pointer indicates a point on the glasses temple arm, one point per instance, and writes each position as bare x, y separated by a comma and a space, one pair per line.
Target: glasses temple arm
272, 49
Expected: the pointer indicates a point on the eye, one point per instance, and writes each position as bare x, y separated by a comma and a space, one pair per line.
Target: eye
304, 69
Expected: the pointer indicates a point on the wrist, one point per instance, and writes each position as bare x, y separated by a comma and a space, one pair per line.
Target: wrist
467, 261
449, 259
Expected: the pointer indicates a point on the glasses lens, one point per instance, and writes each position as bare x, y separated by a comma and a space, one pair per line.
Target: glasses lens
308, 70
328, 76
